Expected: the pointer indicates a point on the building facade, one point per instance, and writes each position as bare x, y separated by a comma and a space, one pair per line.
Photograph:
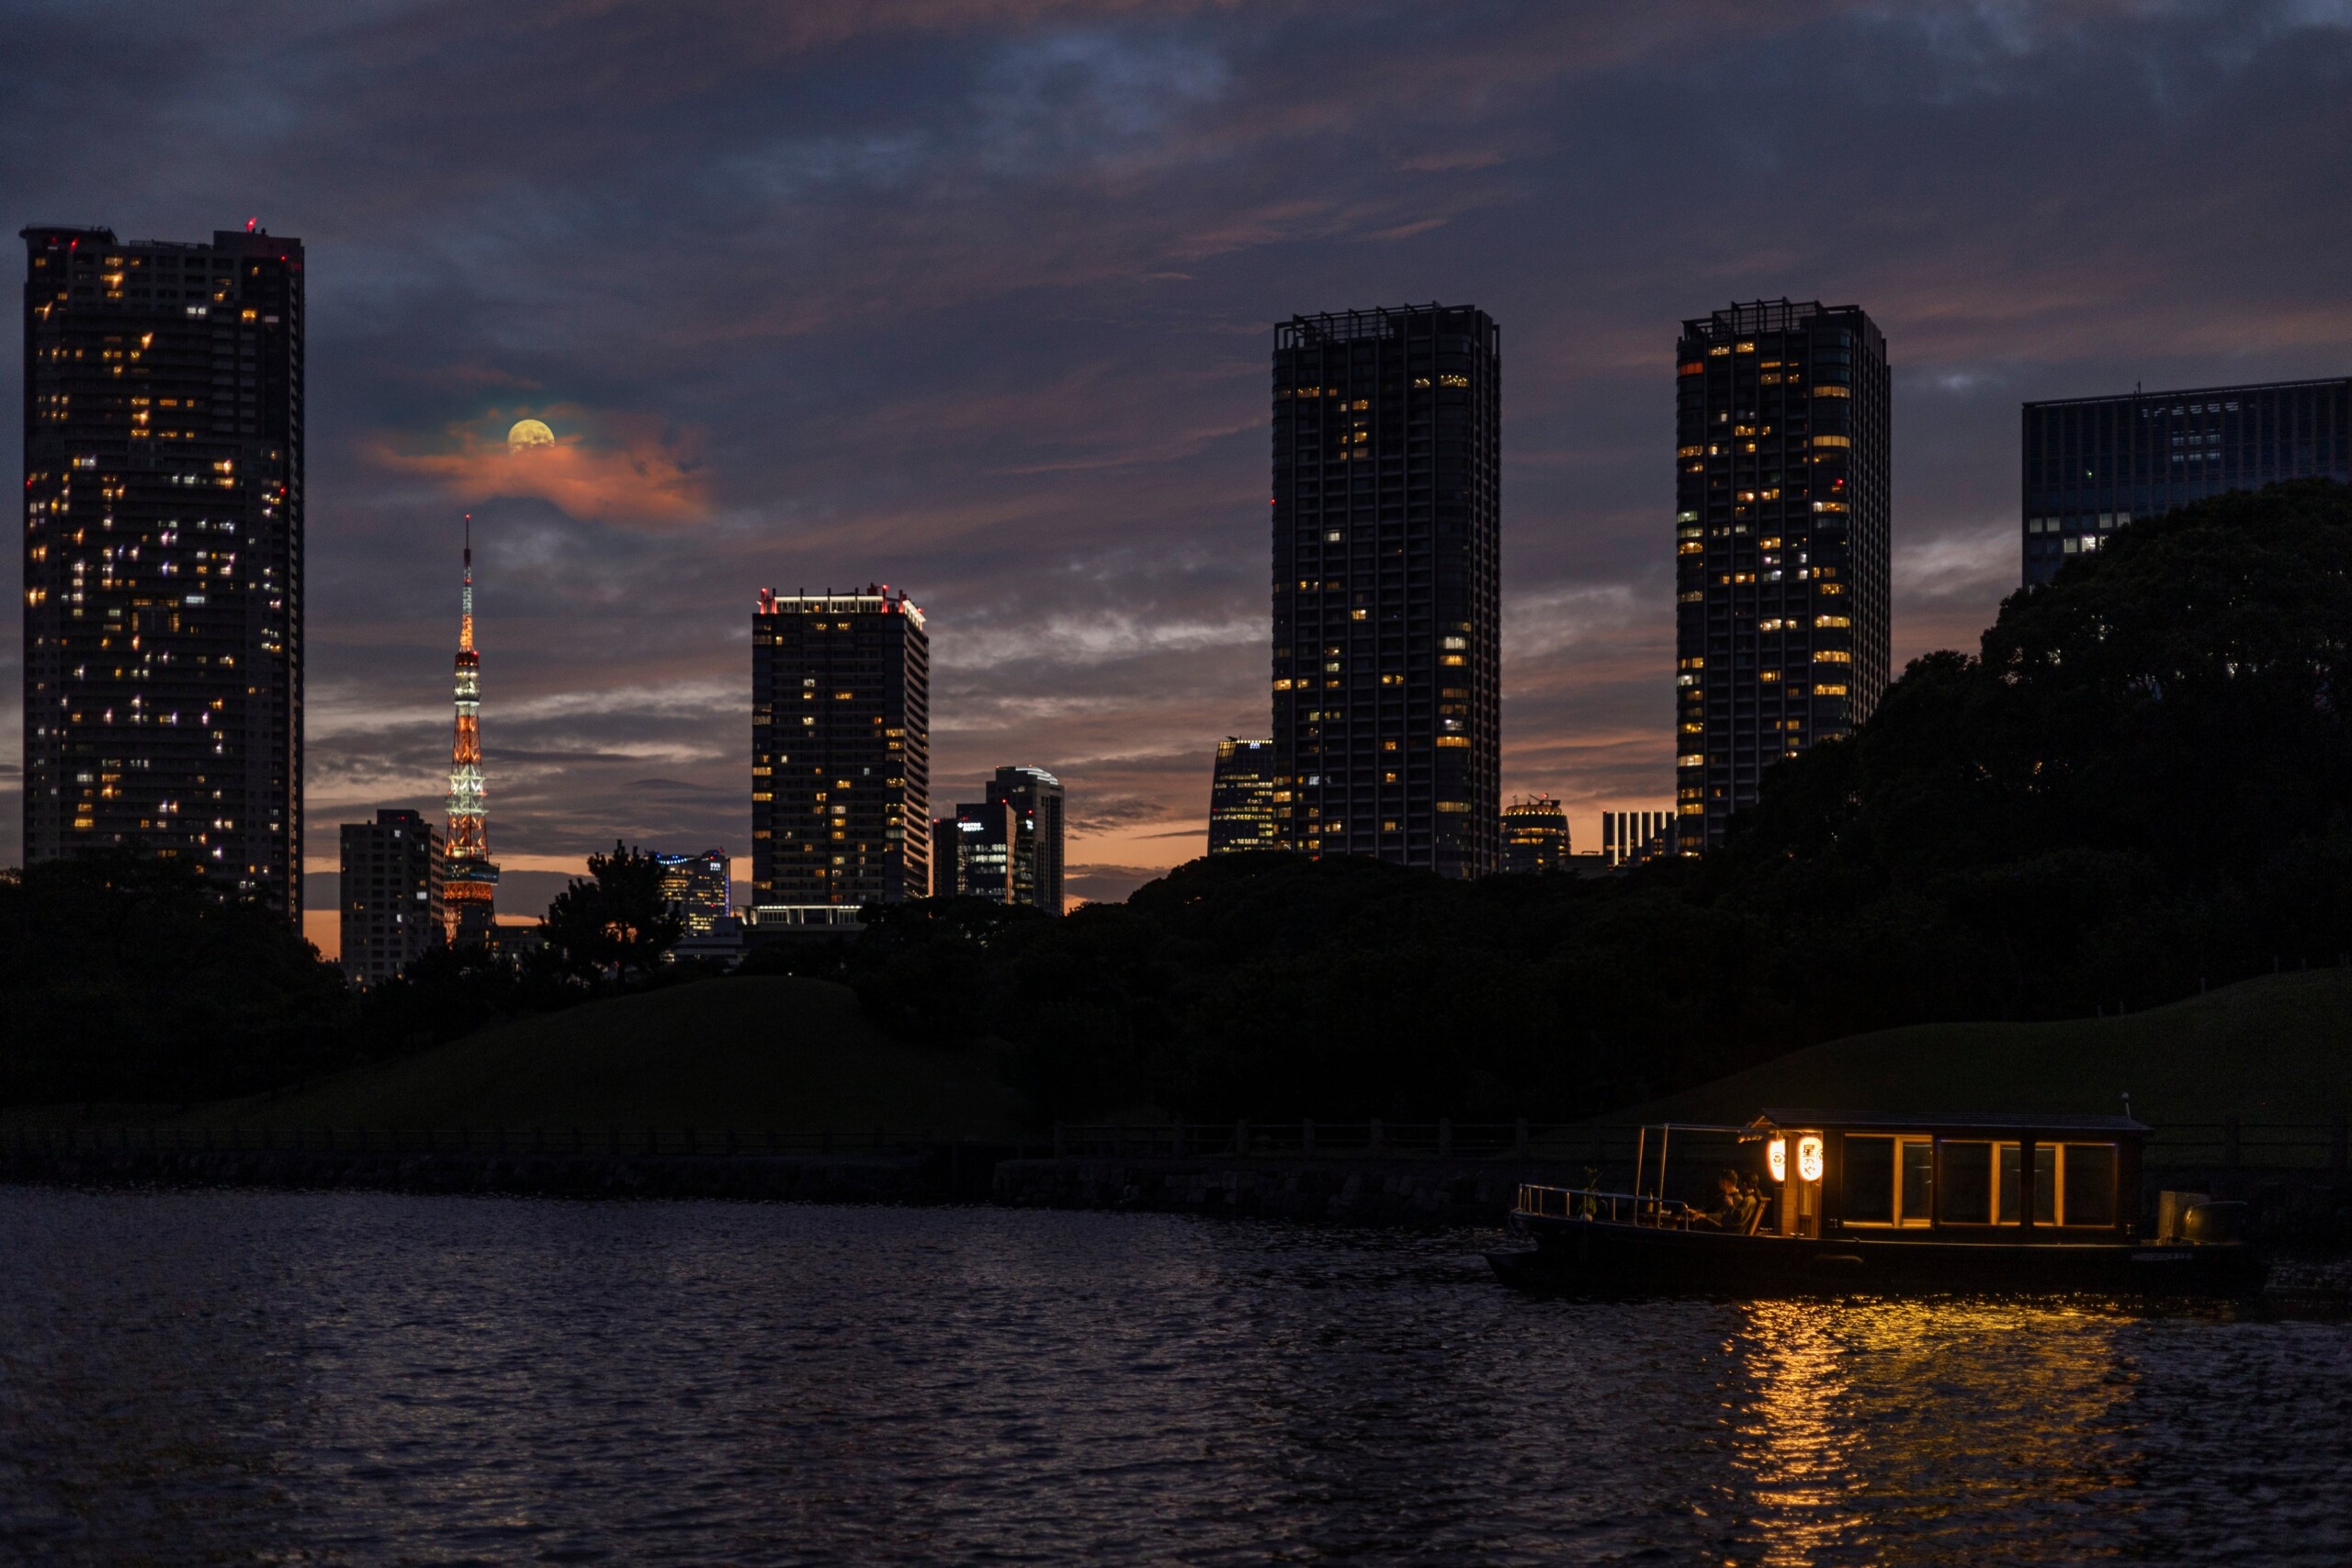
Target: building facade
1782, 465
1535, 836
1628, 838
698, 887
471, 895
1242, 798
163, 440
391, 895
972, 853
840, 754
2093, 464
1007, 847
1386, 586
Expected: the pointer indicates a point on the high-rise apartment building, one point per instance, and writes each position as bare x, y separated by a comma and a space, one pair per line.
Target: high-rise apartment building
1387, 603
1007, 847
841, 753
1782, 637
1535, 836
390, 893
163, 552
2093, 464
1242, 797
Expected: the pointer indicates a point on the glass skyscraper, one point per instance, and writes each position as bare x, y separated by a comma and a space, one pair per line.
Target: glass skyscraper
1386, 582
1242, 797
1781, 629
2093, 464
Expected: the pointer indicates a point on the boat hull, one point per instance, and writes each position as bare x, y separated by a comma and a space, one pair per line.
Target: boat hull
1575, 1255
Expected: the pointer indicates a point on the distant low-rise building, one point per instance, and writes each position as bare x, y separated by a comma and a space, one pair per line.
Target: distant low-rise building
392, 891
1243, 813
1536, 835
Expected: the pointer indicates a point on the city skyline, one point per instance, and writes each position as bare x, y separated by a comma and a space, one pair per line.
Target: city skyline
894, 353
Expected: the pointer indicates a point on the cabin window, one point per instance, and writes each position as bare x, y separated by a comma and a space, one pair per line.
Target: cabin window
2074, 1184
1889, 1181
1870, 1180
1980, 1183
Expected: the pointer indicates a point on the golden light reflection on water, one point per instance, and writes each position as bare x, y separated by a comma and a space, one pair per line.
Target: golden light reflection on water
1938, 1408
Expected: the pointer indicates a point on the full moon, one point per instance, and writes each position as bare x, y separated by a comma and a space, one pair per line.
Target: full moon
528, 433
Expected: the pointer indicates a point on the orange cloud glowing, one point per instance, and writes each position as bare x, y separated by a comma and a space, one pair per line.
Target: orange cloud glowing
631, 472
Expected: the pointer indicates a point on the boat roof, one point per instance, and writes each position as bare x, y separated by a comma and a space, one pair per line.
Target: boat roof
1783, 1116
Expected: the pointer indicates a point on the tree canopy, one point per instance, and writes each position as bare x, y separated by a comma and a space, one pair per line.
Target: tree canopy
2140, 783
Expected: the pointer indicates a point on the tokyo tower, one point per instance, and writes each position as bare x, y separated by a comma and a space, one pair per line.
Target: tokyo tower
469, 889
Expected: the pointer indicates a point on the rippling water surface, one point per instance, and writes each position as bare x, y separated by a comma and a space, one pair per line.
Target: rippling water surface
260, 1377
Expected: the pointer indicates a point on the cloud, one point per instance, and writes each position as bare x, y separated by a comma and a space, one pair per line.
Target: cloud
633, 473
977, 296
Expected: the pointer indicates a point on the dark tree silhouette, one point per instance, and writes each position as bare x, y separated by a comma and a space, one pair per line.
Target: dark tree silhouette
616, 918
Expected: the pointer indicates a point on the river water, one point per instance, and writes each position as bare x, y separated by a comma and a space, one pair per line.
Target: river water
338, 1378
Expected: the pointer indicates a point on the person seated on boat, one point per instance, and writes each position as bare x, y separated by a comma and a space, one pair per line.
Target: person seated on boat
1751, 1203
1727, 1212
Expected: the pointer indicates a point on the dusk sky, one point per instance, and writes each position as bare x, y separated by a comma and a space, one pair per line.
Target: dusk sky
977, 299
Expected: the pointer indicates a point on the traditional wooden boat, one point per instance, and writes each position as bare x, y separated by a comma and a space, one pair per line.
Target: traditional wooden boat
1870, 1201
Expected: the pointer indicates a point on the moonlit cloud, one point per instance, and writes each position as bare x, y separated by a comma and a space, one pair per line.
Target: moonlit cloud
640, 476
974, 296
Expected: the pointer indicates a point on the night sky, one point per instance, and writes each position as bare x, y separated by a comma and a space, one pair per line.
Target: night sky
977, 299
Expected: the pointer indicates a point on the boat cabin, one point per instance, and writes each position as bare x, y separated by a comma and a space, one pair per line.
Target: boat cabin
1899, 1175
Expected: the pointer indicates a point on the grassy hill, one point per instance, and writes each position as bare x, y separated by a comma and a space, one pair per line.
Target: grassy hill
749, 1054
2274, 1049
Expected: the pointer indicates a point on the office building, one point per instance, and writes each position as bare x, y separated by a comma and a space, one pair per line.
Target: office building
696, 886
1781, 629
1387, 616
1007, 847
390, 893
472, 892
840, 750
1535, 836
1034, 799
2094, 464
1242, 797
163, 440
1629, 838
974, 851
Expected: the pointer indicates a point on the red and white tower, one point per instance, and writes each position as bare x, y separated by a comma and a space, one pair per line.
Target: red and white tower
469, 888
